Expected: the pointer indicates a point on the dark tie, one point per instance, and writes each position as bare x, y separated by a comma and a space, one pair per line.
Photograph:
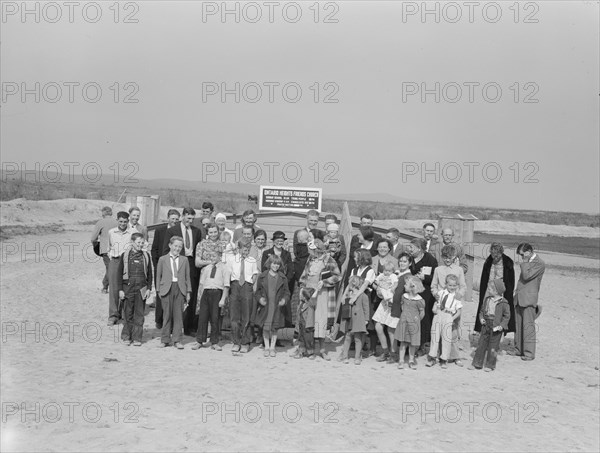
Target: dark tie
242, 276
213, 272
443, 305
187, 237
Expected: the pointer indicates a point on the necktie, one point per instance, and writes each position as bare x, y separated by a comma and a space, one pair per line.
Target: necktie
174, 265
242, 276
443, 305
213, 271
187, 237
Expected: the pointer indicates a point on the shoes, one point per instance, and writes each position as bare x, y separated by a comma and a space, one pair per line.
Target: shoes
443, 364
459, 363
357, 361
216, 347
244, 349
297, 355
196, 346
392, 359
137, 343
111, 322
430, 362
401, 365
127, 342
162, 345
471, 368
266, 353
341, 358
488, 369
514, 353
527, 359
412, 365
178, 345
272, 353
383, 357
104, 290
324, 355
235, 348
312, 357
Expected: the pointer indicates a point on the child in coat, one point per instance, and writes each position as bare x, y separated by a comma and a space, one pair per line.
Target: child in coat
356, 326
494, 317
306, 324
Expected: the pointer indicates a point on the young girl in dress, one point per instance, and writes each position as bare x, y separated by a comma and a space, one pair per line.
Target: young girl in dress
408, 331
271, 295
385, 284
356, 326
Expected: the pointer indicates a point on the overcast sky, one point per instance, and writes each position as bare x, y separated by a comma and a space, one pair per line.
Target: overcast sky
374, 58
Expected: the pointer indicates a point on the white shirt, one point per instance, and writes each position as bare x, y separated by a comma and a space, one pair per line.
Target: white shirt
452, 304
174, 266
250, 267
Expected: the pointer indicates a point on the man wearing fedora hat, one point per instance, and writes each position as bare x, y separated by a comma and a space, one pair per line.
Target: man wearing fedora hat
526, 301
287, 268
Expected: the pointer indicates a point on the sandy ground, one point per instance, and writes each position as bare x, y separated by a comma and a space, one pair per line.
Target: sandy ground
67, 384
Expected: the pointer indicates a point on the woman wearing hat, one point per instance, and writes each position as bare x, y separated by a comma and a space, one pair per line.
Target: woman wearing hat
322, 274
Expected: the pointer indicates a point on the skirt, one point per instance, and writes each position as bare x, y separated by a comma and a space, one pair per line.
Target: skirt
383, 315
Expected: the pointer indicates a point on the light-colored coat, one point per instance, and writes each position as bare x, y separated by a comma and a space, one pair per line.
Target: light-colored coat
529, 283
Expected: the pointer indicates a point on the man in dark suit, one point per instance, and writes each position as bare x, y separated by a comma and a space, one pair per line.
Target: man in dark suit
358, 241
191, 238
158, 246
526, 301
429, 236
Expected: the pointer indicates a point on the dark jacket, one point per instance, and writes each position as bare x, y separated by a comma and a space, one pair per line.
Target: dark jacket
259, 311
158, 244
122, 272
509, 282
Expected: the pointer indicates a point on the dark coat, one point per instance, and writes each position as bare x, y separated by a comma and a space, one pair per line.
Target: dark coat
259, 311
501, 314
509, 281
288, 266
158, 244
175, 230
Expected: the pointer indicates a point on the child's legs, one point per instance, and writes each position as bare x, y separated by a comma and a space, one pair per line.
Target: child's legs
346, 347
246, 309
454, 353
203, 317
484, 339
213, 312
373, 340
411, 352
309, 340
128, 306
492, 351
266, 338
167, 306
301, 333
235, 311
447, 337
392, 339
177, 312
358, 342
402, 350
273, 339
138, 316
436, 327
381, 335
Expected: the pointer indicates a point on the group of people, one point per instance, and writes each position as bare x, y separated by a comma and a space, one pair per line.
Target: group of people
403, 296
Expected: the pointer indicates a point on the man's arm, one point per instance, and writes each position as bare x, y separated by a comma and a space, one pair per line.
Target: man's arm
96, 232
532, 270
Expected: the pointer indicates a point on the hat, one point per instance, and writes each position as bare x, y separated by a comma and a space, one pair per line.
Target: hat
220, 215
317, 244
278, 235
500, 287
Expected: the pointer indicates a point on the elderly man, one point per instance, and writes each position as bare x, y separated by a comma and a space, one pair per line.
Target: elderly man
448, 239
158, 246
100, 235
497, 266
526, 301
